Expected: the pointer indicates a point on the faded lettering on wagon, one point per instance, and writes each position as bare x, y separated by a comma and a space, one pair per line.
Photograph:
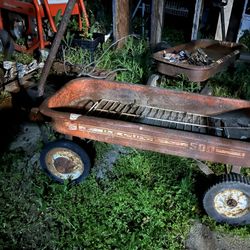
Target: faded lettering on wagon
175, 143
200, 147
105, 131
216, 150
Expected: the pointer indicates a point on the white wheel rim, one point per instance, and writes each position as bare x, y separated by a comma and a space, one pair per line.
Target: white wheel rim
231, 203
64, 163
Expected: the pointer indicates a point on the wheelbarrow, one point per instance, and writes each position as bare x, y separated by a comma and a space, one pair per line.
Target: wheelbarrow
171, 122
221, 54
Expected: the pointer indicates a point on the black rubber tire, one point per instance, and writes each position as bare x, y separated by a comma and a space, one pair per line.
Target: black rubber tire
228, 201
54, 153
6, 44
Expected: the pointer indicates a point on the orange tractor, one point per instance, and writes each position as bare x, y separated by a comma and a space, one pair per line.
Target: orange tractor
26, 25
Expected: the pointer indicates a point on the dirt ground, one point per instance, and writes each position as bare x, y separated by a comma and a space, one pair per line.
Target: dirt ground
202, 238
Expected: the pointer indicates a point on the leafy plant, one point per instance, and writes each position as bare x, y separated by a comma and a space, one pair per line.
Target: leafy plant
76, 56
4, 95
68, 39
245, 39
58, 18
180, 83
23, 58
95, 27
232, 83
173, 36
133, 58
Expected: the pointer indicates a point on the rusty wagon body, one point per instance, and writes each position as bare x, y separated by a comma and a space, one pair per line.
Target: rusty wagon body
166, 121
171, 122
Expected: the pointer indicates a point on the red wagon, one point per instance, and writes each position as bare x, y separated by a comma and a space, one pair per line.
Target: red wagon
166, 121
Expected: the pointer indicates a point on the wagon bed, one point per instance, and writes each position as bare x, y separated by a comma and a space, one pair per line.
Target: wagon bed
222, 53
172, 122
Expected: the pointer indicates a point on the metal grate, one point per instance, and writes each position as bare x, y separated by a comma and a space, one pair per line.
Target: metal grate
154, 116
176, 8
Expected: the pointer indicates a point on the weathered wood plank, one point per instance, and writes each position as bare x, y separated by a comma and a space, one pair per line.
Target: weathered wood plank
196, 19
227, 15
121, 18
157, 21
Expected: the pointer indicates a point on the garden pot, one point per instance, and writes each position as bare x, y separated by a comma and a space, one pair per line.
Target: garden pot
91, 45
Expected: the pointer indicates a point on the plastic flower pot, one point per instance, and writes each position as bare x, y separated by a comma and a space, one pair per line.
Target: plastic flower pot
91, 45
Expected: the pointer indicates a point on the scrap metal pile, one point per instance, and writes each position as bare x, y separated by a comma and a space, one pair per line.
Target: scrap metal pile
198, 57
15, 75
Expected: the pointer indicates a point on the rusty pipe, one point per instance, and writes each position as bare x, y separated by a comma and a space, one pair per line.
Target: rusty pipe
85, 14
39, 24
51, 20
55, 46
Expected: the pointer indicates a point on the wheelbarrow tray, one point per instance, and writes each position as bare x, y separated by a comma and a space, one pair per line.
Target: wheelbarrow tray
223, 54
78, 110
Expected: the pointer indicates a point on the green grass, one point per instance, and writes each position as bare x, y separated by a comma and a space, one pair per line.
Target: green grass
131, 63
143, 203
19, 57
76, 56
233, 83
133, 60
180, 83
147, 201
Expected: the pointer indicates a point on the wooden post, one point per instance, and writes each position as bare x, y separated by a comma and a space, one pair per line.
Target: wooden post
121, 18
196, 19
157, 17
227, 15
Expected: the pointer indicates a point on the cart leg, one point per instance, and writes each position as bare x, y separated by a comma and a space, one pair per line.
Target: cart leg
204, 168
152, 80
236, 169
207, 90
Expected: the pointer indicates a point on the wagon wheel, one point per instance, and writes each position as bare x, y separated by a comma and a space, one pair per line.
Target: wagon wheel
63, 160
228, 201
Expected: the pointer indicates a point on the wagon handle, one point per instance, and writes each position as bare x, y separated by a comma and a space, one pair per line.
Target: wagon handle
55, 46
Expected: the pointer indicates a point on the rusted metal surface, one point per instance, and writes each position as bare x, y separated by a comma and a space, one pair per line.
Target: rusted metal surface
231, 203
149, 118
64, 163
222, 53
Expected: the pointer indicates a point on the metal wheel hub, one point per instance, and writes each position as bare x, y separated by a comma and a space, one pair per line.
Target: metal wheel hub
64, 163
231, 203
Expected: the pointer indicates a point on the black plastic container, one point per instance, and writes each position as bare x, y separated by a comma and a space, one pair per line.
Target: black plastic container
91, 45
